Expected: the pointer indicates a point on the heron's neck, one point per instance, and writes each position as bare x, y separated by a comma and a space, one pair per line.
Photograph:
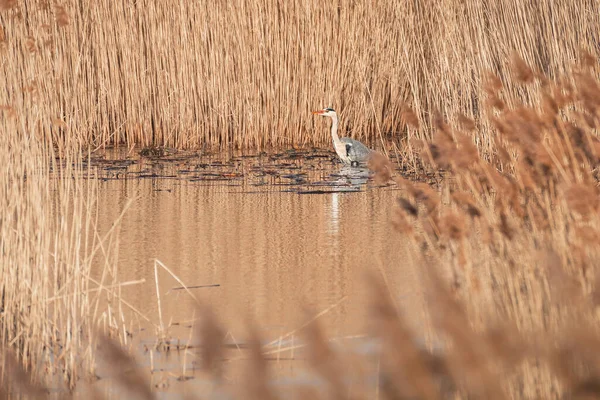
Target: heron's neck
334, 128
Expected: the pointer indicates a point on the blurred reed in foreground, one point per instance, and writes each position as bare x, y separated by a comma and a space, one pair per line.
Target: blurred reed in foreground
516, 235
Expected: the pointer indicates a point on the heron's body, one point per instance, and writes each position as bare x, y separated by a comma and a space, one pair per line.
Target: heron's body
353, 150
349, 150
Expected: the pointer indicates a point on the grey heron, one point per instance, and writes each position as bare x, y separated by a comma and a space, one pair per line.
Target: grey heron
349, 150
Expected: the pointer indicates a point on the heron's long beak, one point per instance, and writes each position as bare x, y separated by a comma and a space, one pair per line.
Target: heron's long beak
320, 112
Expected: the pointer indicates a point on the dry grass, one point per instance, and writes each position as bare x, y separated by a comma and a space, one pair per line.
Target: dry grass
50, 305
247, 73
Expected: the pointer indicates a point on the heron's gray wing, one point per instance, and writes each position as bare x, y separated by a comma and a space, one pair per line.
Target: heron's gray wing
355, 150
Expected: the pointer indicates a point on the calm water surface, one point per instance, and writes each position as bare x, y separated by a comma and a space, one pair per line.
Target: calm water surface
283, 237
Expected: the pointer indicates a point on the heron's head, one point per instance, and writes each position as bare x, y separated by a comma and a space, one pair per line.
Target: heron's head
326, 112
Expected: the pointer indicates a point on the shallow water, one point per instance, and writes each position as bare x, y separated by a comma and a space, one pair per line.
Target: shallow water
279, 238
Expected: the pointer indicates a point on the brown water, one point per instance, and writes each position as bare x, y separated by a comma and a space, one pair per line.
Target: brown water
275, 233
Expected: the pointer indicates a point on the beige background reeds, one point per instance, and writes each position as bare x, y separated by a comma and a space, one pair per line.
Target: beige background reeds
248, 73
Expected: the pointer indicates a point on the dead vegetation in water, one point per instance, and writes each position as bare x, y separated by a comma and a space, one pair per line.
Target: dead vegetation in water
302, 171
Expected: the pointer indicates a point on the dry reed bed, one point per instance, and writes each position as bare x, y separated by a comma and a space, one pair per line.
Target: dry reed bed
517, 240
247, 73
508, 253
50, 305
